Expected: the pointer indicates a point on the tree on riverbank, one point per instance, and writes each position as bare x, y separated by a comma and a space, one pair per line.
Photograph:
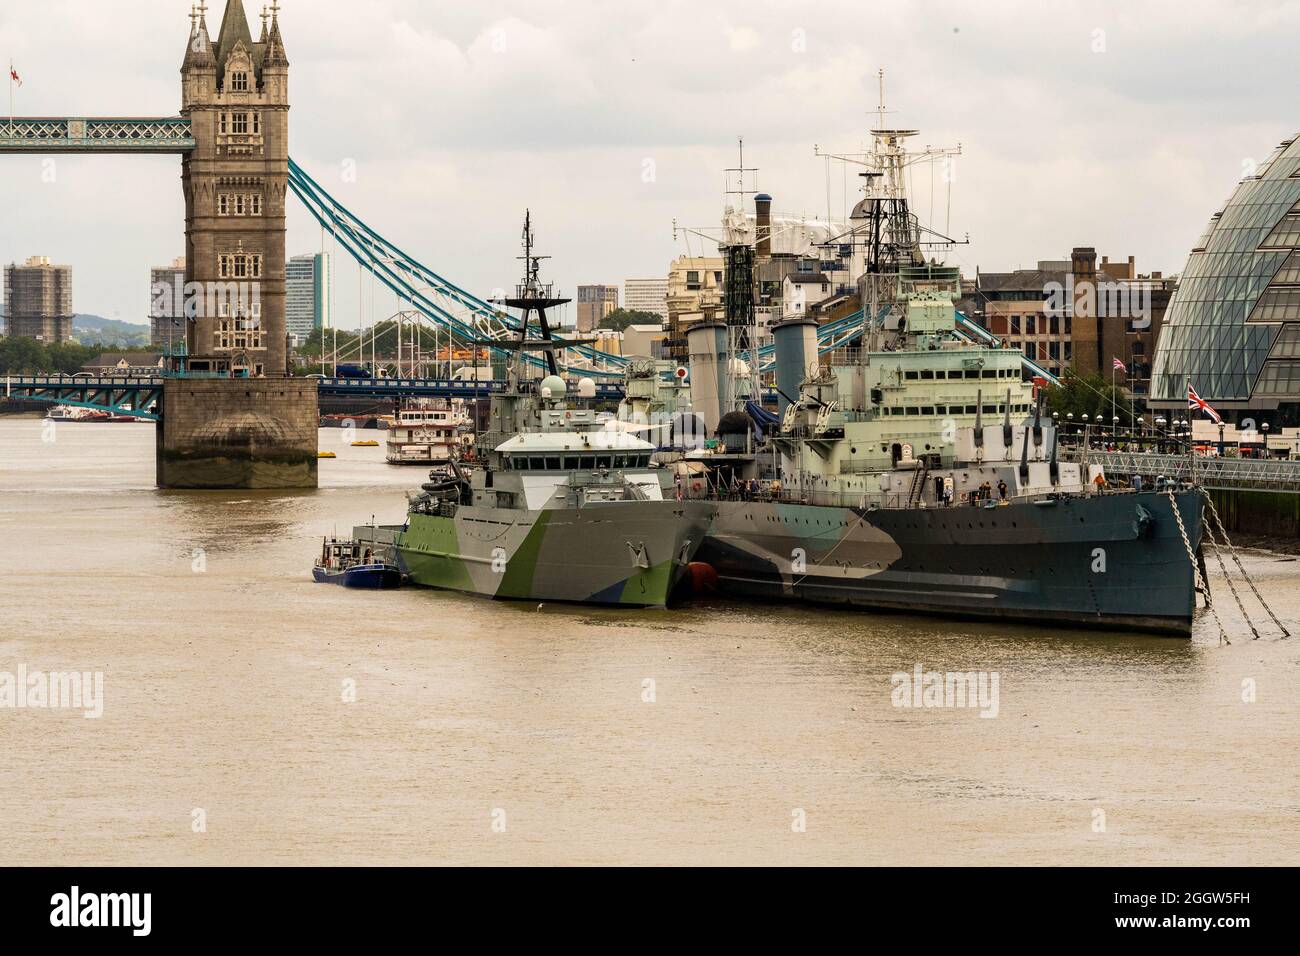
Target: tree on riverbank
20, 356
1091, 396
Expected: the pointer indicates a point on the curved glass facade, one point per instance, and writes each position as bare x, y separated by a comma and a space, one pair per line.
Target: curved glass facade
1242, 274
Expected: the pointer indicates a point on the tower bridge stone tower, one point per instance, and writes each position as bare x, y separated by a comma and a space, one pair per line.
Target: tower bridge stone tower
235, 93
243, 424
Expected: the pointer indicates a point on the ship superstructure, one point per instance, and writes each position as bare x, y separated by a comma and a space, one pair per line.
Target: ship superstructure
427, 432
558, 507
914, 470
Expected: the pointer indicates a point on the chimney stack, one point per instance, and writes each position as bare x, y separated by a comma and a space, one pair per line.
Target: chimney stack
763, 234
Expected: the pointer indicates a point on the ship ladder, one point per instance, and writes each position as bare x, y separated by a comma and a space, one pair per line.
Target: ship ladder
918, 483
1200, 582
1217, 523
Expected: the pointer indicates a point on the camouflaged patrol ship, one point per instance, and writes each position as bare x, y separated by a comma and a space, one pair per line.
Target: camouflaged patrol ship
561, 508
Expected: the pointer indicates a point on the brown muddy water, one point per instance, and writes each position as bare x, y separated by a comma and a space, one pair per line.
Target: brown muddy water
250, 716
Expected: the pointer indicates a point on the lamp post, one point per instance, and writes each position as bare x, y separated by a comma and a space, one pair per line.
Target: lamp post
1264, 429
1220, 439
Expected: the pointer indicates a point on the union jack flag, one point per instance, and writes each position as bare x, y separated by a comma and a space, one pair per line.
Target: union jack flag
13, 75
1195, 401
1119, 366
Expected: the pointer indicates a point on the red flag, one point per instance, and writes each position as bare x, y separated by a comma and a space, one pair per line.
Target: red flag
13, 75
1195, 401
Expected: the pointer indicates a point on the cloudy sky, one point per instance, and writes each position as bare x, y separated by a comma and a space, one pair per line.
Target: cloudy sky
1121, 125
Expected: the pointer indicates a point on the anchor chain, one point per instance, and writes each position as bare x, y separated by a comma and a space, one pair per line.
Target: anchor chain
1232, 551
1196, 569
1218, 556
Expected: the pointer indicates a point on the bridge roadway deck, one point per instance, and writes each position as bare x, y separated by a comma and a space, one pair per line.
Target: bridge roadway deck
136, 395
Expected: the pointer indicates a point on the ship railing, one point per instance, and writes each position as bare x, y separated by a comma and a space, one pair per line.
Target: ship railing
1225, 474
836, 499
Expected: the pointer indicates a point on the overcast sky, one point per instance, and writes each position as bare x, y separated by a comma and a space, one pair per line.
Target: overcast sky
1121, 125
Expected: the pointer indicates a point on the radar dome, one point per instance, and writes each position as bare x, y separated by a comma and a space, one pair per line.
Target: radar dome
553, 387
586, 388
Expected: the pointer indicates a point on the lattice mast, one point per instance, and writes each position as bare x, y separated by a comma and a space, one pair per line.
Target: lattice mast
883, 228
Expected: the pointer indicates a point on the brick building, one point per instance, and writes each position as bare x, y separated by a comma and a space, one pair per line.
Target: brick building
1078, 314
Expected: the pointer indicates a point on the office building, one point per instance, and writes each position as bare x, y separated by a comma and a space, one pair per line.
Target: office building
167, 305
594, 303
694, 295
38, 301
307, 295
1077, 315
646, 295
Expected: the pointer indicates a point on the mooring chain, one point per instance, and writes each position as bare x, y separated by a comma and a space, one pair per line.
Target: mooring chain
1218, 556
1223, 532
1196, 568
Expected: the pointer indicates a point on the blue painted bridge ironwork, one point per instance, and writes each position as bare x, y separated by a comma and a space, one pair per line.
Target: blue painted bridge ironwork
437, 388
139, 396
136, 397
166, 134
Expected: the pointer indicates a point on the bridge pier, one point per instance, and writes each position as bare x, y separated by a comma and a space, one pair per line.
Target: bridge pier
237, 433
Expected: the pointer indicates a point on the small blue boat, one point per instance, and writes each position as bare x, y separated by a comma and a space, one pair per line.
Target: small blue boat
349, 564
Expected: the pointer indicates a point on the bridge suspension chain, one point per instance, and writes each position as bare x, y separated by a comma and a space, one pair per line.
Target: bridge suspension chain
397, 270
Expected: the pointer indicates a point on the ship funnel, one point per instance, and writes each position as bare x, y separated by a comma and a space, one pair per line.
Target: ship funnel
706, 343
795, 344
763, 225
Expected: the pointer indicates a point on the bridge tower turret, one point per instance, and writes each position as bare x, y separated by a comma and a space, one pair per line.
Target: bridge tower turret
235, 92
247, 426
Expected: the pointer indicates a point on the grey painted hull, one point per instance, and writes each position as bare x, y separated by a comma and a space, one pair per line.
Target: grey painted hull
1087, 561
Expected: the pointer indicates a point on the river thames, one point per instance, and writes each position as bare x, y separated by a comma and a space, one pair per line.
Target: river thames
250, 716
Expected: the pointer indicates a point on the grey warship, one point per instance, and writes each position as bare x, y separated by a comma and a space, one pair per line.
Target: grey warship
918, 474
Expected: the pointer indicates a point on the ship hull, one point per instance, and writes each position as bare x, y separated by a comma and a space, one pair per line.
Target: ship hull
369, 577
1111, 561
629, 554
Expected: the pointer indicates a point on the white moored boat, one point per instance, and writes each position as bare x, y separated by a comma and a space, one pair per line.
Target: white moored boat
427, 433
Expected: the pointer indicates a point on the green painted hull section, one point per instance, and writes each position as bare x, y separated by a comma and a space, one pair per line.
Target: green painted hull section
517, 582
659, 579
429, 555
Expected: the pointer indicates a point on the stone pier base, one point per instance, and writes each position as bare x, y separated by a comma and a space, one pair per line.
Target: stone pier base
238, 433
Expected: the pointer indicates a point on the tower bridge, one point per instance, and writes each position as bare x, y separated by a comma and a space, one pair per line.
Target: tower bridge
254, 426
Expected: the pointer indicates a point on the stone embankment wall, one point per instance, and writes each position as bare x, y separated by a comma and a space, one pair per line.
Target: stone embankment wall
1265, 513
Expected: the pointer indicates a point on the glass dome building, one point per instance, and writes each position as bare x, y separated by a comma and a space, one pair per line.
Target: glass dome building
1233, 325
